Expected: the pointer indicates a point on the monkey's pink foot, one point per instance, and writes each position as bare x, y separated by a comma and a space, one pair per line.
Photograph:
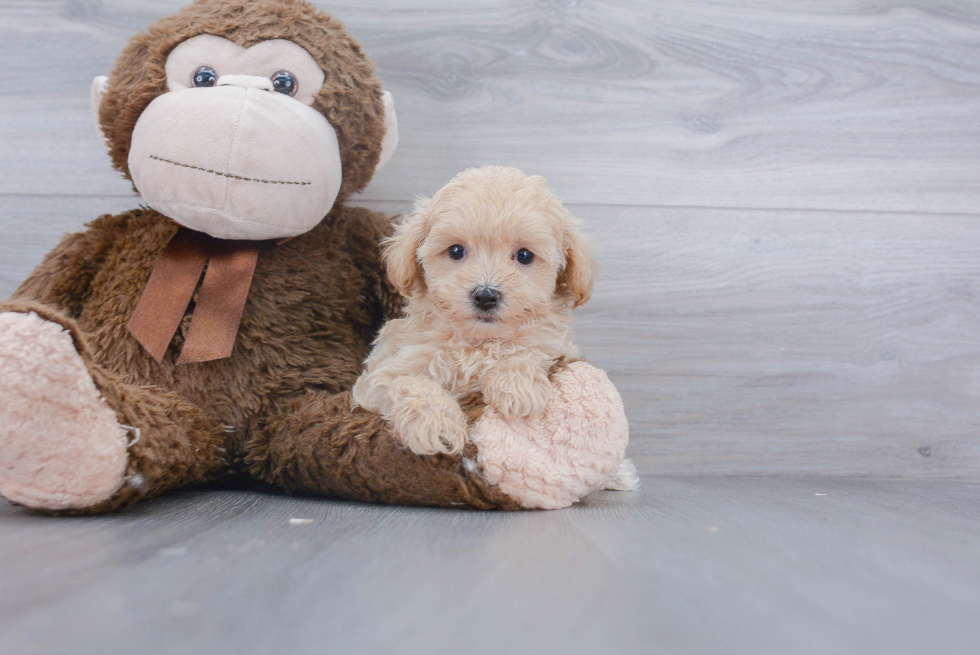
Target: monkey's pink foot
61, 446
575, 448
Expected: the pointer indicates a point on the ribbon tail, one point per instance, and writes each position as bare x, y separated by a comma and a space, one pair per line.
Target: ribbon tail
221, 302
169, 291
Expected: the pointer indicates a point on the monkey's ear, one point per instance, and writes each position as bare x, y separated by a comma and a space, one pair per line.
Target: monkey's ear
401, 252
99, 86
578, 276
390, 141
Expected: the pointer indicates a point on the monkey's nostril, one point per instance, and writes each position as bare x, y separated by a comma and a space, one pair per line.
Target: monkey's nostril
486, 298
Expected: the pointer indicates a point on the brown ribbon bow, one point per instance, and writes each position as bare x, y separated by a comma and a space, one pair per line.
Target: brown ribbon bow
214, 326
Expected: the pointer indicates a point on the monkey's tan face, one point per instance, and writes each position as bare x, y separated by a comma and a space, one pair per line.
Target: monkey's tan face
234, 148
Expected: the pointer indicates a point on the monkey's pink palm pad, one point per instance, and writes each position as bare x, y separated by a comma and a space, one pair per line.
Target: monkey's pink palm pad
575, 448
60, 444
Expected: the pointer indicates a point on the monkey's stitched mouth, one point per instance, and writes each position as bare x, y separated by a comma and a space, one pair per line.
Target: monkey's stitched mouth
228, 175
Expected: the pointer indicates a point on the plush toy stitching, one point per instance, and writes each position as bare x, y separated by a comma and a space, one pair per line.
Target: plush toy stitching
232, 176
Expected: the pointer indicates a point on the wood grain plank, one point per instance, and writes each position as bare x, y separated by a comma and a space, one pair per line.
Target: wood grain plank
791, 342
853, 104
741, 566
750, 342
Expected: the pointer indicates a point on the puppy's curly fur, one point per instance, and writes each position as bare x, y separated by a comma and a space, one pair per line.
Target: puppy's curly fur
491, 265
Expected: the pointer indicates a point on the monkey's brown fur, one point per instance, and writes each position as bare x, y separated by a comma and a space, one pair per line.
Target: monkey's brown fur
278, 408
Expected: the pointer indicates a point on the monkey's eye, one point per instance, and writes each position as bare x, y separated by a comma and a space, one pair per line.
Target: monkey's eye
524, 256
205, 76
457, 252
284, 82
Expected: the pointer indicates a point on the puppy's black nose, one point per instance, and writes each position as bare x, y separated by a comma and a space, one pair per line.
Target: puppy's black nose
486, 298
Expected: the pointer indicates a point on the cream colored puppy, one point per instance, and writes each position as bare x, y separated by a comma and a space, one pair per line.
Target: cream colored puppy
491, 265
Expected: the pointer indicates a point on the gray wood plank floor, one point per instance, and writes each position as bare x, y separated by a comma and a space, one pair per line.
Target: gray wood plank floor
687, 565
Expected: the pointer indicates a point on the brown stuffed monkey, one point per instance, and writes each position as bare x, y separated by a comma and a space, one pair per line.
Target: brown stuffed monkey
217, 331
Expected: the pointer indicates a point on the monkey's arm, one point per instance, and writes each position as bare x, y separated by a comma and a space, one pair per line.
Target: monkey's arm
319, 445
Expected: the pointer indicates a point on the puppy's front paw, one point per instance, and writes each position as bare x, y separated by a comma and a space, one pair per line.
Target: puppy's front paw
517, 390
429, 429
429, 422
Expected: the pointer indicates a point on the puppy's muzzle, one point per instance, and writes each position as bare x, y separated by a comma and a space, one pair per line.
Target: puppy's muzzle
486, 299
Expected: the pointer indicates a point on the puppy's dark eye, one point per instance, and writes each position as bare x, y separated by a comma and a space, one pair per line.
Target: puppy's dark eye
284, 82
457, 252
524, 256
205, 76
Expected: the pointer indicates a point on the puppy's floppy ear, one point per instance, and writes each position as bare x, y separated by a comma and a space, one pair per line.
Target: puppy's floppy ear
577, 278
404, 269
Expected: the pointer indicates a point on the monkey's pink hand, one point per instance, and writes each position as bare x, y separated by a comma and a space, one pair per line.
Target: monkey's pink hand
574, 448
60, 444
